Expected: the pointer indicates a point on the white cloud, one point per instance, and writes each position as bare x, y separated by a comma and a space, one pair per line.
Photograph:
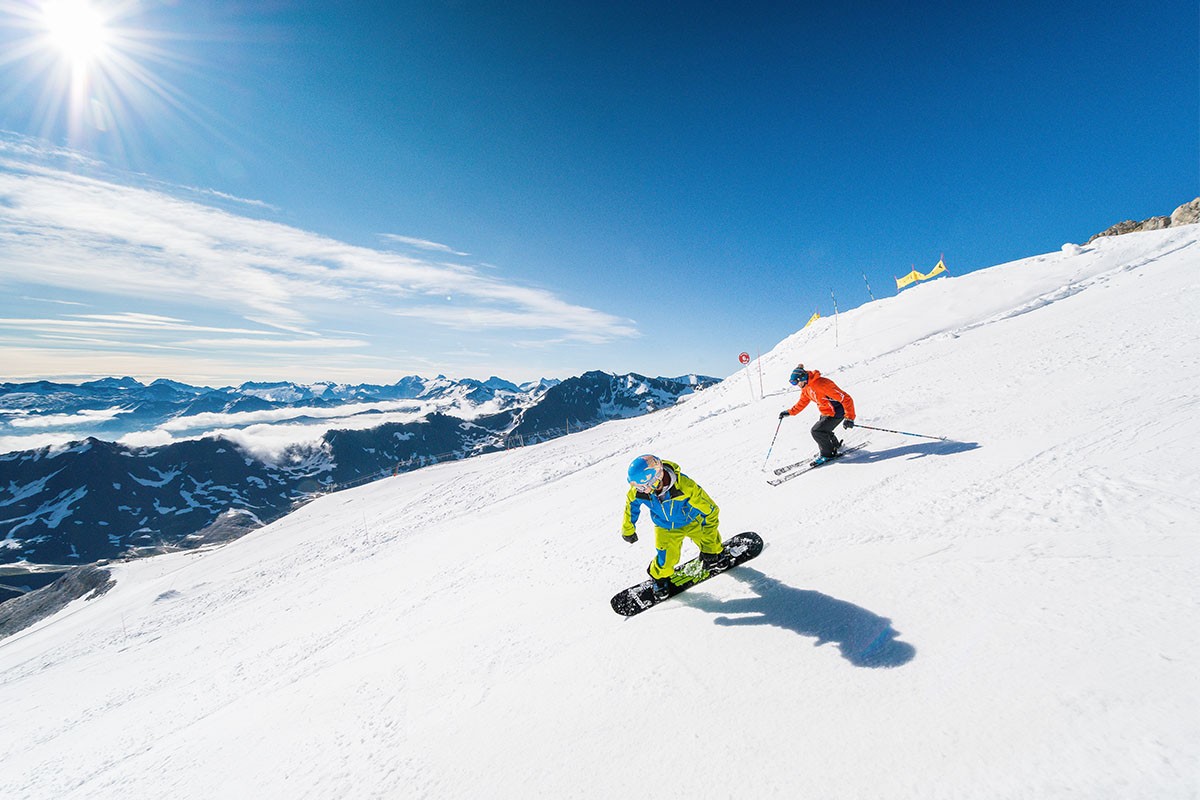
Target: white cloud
552, 315
270, 439
81, 418
84, 237
12, 444
267, 345
207, 422
267, 433
150, 438
48, 300
423, 244
233, 198
75, 360
129, 323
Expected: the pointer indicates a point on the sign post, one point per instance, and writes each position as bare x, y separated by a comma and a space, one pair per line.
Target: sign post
744, 358
761, 391
835, 316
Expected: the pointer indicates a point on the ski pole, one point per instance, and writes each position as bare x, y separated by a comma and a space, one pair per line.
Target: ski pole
903, 433
772, 447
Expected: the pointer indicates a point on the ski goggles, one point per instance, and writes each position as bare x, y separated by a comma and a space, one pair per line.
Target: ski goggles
798, 376
649, 487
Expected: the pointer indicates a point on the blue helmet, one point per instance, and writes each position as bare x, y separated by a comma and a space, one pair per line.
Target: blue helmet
799, 376
645, 473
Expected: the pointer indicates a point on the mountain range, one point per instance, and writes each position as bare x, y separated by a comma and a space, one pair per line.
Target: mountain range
112, 407
95, 499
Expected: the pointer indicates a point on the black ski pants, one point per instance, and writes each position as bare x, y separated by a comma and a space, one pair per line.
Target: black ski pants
822, 432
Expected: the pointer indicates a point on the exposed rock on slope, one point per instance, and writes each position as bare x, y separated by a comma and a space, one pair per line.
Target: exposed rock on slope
1186, 214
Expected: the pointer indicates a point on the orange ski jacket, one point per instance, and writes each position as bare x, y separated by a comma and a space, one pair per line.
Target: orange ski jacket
831, 401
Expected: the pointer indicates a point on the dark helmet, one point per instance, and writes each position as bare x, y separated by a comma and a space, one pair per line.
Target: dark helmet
799, 376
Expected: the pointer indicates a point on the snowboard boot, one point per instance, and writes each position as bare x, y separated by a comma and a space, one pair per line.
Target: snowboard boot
715, 562
662, 588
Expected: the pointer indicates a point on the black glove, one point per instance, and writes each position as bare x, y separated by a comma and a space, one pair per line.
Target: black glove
630, 537
849, 423
784, 415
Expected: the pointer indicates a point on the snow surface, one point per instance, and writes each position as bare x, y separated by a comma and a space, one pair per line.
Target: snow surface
1011, 613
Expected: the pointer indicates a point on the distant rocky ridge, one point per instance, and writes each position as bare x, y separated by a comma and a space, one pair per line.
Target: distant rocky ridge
1186, 214
96, 499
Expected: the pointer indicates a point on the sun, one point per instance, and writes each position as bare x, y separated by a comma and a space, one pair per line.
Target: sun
99, 75
77, 30
90, 72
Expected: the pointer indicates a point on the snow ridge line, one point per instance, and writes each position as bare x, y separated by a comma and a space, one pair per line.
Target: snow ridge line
1070, 290
1042, 301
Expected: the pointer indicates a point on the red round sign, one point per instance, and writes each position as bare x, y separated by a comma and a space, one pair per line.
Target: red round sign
744, 358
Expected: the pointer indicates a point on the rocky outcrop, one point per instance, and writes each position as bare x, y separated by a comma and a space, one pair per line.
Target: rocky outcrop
22, 612
1186, 214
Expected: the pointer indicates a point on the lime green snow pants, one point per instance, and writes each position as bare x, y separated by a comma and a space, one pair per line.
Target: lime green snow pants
669, 543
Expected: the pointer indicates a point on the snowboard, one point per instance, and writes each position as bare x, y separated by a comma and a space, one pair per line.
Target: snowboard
637, 599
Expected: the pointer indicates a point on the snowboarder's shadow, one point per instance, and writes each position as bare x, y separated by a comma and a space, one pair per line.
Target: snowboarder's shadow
865, 639
916, 450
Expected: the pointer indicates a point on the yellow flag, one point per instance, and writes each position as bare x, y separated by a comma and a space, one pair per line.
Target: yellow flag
915, 276
816, 316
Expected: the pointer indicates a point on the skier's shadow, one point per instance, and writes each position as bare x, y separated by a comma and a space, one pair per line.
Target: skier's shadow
916, 450
865, 639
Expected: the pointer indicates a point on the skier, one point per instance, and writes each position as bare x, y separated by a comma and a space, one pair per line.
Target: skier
834, 404
678, 507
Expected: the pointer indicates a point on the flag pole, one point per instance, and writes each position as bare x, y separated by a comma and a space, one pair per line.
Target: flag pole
835, 319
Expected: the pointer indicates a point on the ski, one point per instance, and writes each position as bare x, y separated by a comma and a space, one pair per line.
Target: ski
789, 471
807, 462
790, 467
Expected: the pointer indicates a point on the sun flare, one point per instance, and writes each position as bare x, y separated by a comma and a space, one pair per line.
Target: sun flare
76, 30
92, 72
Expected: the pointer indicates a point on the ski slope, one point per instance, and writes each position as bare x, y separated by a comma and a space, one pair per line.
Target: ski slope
1010, 613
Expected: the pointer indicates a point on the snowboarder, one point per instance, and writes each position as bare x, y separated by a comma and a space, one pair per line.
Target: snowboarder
678, 507
834, 404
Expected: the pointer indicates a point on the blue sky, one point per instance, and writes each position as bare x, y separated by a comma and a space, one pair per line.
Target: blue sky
360, 191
